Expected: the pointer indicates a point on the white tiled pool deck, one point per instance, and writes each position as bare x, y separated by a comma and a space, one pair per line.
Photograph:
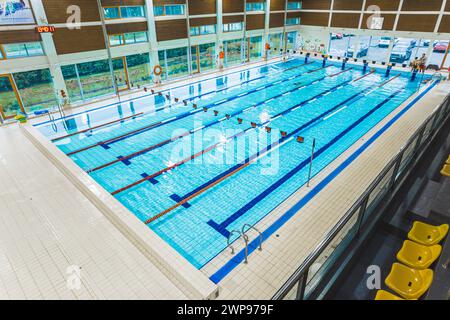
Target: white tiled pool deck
49, 223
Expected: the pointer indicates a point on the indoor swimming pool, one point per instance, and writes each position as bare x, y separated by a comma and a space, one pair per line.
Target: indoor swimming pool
196, 162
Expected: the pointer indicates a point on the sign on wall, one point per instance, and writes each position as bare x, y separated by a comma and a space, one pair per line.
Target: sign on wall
15, 12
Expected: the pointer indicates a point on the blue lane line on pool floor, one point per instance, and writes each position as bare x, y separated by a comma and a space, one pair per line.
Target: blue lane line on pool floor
222, 227
189, 113
174, 88
267, 149
239, 257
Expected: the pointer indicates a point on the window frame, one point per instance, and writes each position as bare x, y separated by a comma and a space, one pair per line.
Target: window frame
199, 28
28, 55
116, 35
164, 14
111, 7
227, 26
293, 9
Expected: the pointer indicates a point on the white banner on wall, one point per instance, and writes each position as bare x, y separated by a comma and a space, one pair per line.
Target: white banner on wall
15, 12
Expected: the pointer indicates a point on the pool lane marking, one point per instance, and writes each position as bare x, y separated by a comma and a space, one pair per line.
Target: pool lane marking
173, 139
173, 105
210, 148
221, 227
336, 112
231, 171
266, 234
341, 72
269, 65
134, 116
159, 123
187, 133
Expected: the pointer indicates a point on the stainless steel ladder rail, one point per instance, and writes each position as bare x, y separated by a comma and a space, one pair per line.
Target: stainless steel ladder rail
259, 232
244, 236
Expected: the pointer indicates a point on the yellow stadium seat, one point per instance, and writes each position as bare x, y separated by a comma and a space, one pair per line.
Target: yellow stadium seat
448, 160
407, 282
446, 170
418, 256
384, 295
427, 234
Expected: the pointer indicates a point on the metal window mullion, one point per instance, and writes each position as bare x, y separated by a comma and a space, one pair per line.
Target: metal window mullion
79, 82
189, 53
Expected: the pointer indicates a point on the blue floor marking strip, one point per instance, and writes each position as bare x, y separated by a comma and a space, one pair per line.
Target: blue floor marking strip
167, 90
152, 181
221, 228
125, 162
236, 260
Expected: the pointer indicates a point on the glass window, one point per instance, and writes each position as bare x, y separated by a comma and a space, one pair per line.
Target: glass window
135, 37
175, 62
291, 38
72, 85
116, 40
162, 62
236, 26
373, 48
402, 50
132, 12
139, 71
255, 47
440, 47
8, 100
207, 54
111, 13
276, 42
200, 30
36, 89
23, 50
294, 5
233, 52
158, 10
95, 78
342, 45
292, 21
174, 10
169, 10
256, 6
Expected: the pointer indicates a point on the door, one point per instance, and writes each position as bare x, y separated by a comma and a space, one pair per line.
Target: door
121, 74
10, 103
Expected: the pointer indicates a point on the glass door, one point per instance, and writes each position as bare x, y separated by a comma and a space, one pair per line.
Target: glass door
10, 103
121, 74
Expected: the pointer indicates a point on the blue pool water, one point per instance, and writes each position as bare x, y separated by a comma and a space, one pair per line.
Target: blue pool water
226, 172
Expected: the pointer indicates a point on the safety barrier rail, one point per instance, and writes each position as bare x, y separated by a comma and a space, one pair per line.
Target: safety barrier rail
314, 268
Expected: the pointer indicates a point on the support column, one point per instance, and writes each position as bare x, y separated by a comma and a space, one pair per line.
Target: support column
266, 28
152, 39
219, 31
50, 50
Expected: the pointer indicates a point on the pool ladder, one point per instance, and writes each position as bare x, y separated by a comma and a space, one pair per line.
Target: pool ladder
243, 234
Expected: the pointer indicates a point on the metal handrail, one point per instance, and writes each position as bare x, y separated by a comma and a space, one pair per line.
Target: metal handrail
244, 236
300, 274
260, 234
